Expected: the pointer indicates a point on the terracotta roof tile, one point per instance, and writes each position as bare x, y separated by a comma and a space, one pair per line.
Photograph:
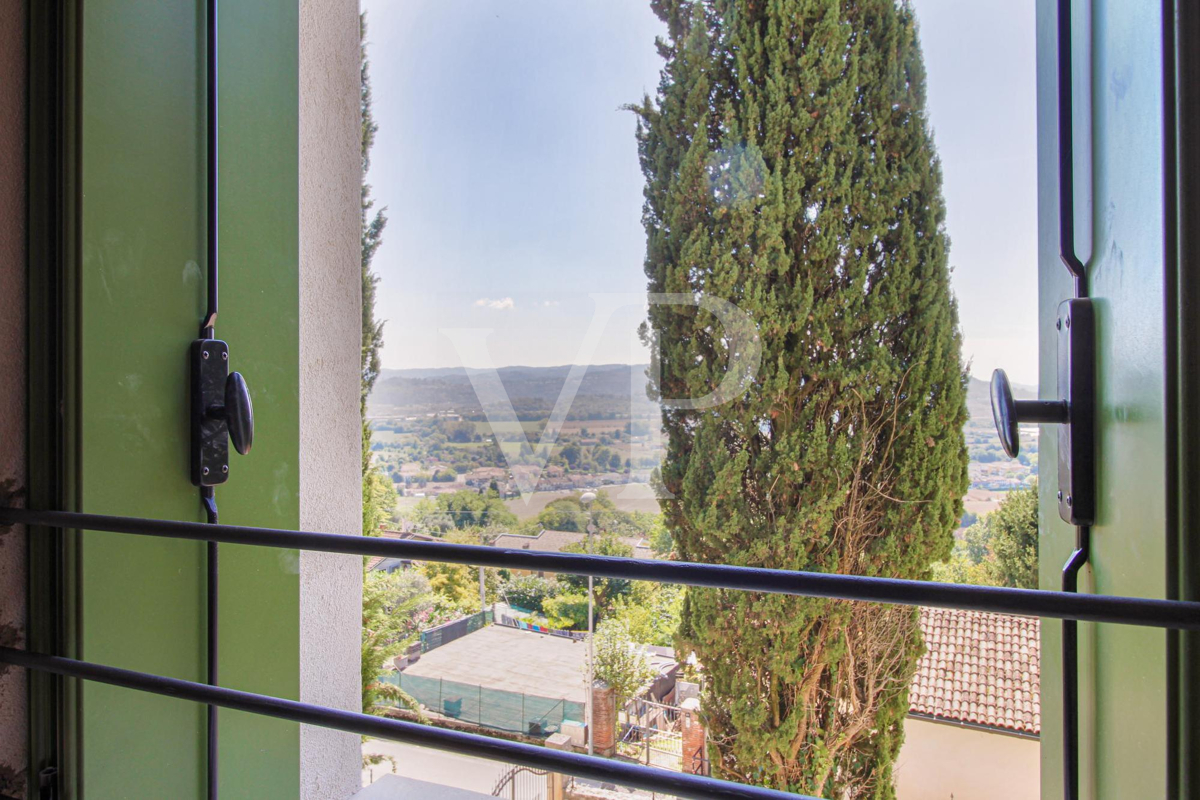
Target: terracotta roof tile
979, 668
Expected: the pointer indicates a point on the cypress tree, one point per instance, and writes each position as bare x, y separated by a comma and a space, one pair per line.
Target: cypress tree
379, 495
790, 170
372, 226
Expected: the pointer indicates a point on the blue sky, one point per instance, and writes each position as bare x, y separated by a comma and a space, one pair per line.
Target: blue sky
512, 185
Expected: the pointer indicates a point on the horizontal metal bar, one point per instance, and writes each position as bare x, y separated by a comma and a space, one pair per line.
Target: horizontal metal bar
1026, 602
470, 744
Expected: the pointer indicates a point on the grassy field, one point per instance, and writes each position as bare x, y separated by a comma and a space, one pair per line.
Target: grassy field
405, 503
389, 436
981, 501
627, 497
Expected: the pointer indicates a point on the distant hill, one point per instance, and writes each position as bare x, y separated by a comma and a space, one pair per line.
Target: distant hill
979, 398
604, 391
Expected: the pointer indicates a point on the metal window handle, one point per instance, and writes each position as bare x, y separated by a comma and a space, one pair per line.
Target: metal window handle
237, 412
1073, 413
1009, 413
221, 412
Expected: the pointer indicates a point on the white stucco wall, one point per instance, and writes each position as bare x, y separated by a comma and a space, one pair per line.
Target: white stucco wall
330, 346
950, 762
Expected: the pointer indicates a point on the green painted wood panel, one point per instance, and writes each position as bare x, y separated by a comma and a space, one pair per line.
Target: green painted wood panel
1122, 669
141, 295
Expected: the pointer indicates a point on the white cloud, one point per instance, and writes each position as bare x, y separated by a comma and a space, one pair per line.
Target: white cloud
549, 303
501, 304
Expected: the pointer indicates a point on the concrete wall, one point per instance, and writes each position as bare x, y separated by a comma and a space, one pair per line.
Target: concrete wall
13, 709
950, 762
330, 346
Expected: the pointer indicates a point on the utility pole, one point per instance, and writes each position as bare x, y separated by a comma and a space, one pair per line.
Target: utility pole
585, 500
482, 593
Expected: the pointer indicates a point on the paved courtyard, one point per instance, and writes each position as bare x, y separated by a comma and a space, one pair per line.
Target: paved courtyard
498, 657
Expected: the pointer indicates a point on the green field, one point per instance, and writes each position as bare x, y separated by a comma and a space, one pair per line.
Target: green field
627, 497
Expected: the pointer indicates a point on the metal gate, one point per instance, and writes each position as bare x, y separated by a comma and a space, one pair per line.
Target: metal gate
523, 783
651, 734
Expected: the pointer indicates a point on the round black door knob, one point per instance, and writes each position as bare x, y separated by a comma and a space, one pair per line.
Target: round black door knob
239, 413
1008, 413
1004, 412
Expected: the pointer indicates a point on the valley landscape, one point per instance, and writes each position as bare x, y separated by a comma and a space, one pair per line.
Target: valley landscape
442, 430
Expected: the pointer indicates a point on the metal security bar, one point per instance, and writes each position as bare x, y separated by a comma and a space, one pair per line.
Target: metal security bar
1092, 608
470, 744
1023, 602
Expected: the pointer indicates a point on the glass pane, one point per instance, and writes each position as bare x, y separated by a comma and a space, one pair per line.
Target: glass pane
712, 281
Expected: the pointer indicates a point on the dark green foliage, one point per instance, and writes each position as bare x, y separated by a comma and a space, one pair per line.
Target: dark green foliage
529, 592
394, 605
1014, 539
790, 171
372, 230
379, 495
566, 514
607, 590
999, 550
465, 508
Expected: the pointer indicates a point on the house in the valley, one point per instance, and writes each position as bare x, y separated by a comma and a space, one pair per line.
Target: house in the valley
974, 710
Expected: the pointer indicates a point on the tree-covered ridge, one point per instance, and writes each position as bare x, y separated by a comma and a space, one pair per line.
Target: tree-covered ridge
790, 170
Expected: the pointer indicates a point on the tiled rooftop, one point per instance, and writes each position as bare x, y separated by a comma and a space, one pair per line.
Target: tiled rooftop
979, 668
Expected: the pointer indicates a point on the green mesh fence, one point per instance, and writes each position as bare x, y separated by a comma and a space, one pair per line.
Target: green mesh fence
491, 708
444, 634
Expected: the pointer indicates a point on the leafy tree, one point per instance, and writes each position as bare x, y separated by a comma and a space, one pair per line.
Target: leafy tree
977, 542
571, 453
651, 612
379, 500
790, 171
999, 550
1014, 529
391, 604
566, 514
660, 538
606, 590
566, 611
460, 431
464, 509
459, 583
620, 663
529, 592
963, 567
